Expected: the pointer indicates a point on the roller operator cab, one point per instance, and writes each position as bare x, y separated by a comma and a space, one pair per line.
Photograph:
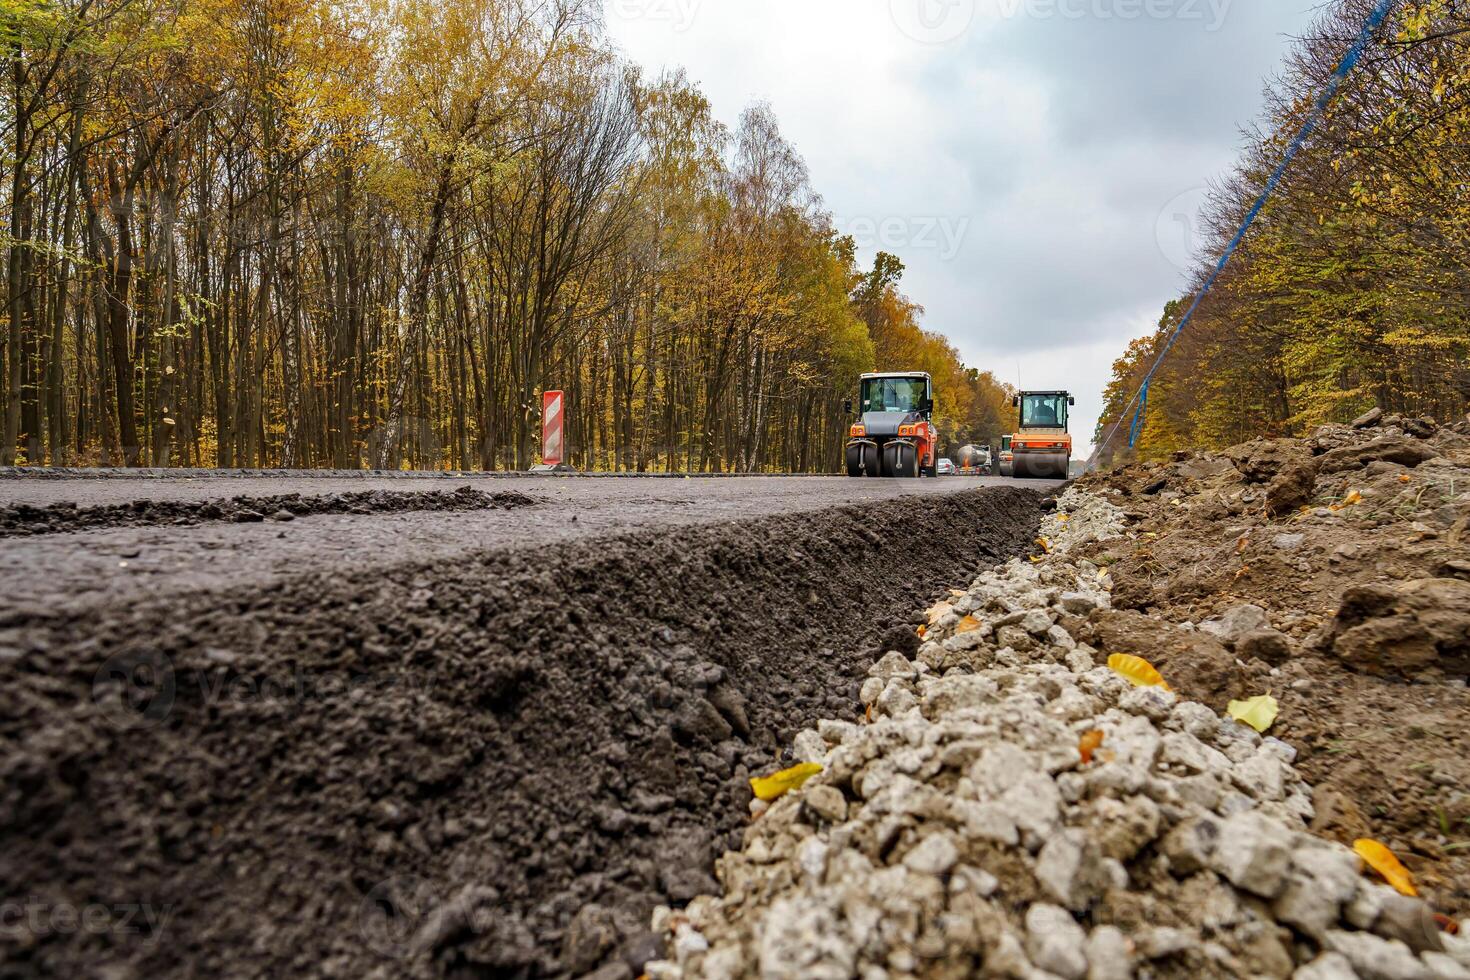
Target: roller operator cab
894, 434
1042, 448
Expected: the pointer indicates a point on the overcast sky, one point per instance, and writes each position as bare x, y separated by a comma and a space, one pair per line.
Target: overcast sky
1037, 164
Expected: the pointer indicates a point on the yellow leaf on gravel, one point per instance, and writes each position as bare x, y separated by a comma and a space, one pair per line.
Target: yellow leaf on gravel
777, 785
1353, 498
1259, 713
1386, 863
1137, 671
938, 612
967, 625
1044, 544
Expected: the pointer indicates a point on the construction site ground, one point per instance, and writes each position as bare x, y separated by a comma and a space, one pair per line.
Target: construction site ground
1334, 573
316, 727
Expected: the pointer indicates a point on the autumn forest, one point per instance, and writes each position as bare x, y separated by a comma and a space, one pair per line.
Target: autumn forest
1350, 293
314, 233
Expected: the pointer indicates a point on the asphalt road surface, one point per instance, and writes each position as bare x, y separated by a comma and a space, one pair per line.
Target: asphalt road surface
75, 570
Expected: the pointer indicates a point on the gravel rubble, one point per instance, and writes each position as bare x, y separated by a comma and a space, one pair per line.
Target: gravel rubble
959, 832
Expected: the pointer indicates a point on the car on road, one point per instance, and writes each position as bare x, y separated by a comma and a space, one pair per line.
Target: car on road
945, 467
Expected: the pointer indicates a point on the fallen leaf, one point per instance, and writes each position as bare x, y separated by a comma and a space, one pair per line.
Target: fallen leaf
1037, 560
1242, 544
1353, 498
1405, 478
1088, 744
1244, 570
1259, 713
1045, 544
777, 785
1446, 924
868, 715
1386, 863
1137, 671
957, 593
938, 611
967, 625
1064, 518
923, 631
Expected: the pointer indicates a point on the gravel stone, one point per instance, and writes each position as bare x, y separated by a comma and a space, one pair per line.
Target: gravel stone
1328, 966
1037, 622
1055, 942
1236, 623
1109, 955
1253, 852
1374, 958
1077, 603
935, 855
1445, 967
828, 803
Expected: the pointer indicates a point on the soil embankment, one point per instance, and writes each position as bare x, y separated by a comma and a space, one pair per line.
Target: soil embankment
431, 768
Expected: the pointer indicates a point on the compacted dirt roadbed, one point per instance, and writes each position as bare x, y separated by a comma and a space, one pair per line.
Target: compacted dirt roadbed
379, 741
151, 536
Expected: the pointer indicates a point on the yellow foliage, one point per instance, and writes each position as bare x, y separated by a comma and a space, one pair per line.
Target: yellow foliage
1137, 671
777, 785
1382, 860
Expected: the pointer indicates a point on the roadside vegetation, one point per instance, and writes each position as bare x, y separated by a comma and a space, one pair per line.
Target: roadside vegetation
309, 233
1350, 293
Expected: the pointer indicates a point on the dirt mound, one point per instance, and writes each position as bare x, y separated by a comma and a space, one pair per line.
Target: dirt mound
1333, 572
492, 768
26, 519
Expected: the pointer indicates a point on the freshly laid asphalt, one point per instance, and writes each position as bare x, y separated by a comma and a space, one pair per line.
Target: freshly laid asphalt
74, 570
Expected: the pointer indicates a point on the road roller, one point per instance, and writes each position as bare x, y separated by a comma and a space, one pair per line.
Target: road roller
1042, 448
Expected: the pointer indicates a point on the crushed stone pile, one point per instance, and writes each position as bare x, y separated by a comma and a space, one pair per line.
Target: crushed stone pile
1334, 572
1015, 808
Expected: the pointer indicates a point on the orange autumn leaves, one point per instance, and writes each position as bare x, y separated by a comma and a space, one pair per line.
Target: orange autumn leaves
939, 610
1088, 745
1382, 860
